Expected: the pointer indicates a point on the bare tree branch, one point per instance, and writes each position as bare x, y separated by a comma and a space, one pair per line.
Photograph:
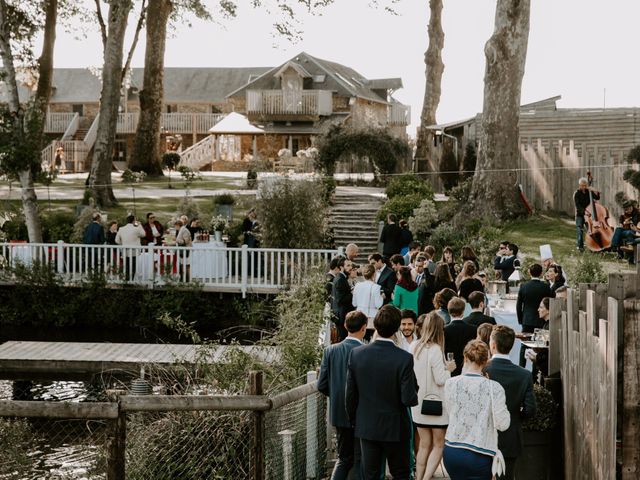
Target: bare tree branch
103, 26
127, 64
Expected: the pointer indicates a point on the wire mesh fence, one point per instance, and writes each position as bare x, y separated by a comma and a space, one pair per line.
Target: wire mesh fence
295, 440
163, 442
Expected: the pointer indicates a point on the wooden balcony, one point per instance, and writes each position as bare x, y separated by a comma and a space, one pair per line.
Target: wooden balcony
289, 104
184, 123
58, 122
399, 114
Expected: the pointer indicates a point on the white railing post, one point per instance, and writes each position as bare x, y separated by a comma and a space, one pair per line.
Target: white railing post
312, 429
380, 227
244, 270
150, 263
60, 257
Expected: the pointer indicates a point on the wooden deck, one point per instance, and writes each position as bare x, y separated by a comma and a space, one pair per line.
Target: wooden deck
70, 360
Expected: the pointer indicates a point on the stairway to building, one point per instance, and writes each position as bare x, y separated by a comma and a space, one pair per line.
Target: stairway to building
80, 134
353, 218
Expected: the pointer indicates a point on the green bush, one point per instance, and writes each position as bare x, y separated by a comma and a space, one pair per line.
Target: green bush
402, 206
588, 269
57, 226
170, 160
292, 214
252, 177
224, 199
449, 170
546, 417
423, 220
469, 161
409, 184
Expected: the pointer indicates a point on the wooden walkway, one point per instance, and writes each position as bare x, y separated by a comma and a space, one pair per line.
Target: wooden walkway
70, 360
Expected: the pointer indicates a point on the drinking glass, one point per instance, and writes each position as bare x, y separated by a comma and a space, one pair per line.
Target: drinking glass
449, 356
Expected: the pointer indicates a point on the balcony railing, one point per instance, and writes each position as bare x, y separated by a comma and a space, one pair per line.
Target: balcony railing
399, 114
292, 102
188, 123
215, 267
58, 122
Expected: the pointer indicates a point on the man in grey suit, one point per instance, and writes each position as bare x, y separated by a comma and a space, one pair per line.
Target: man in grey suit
518, 387
332, 383
381, 386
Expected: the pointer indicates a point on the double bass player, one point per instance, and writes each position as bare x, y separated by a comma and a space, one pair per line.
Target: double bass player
581, 199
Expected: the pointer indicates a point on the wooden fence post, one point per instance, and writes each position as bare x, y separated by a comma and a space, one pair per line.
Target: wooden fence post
631, 391
116, 441
256, 458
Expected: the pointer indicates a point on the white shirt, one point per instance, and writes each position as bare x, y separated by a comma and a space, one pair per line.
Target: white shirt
501, 355
349, 337
378, 273
404, 344
381, 339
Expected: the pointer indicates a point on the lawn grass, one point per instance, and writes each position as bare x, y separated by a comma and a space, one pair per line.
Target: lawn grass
559, 231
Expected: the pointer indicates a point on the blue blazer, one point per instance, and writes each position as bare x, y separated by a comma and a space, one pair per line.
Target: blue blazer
333, 380
521, 402
381, 386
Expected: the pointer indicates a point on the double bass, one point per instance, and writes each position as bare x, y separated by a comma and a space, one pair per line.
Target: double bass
599, 230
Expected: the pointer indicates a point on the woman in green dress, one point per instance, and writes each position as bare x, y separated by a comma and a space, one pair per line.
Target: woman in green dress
405, 294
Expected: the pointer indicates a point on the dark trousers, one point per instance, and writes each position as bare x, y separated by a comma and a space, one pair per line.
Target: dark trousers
397, 455
510, 469
348, 455
130, 268
463, 464
580, 231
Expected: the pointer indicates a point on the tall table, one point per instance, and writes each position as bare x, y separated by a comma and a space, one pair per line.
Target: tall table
507, 316
209, 260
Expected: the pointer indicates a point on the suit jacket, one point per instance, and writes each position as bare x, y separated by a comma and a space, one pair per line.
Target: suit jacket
342, 298
333, 380
530, 295
456, 336
521, 402
381, 385
391, 237
387, 282
478, 318
505, 265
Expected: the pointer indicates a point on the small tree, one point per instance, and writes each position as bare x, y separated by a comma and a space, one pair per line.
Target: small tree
469, 160
423, 220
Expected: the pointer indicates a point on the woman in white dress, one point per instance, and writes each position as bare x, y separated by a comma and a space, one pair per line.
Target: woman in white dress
432, 371
367, 296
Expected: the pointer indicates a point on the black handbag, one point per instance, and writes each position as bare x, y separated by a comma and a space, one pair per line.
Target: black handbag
431, 405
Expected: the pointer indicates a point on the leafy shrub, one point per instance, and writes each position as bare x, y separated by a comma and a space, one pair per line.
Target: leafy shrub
329, 186
546, 417
57, 226
224, 199
469, 161
252, 178
423, 219
588, 269
458, 198
18, 439
187, 206
15, 229
409, 184
171, 160
292, 214
402, 206
80, 225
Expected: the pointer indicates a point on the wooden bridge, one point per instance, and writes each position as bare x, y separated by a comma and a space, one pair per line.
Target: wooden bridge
209, 264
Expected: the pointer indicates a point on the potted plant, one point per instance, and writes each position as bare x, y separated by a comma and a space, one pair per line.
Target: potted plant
534, 462
219, 224
224, 204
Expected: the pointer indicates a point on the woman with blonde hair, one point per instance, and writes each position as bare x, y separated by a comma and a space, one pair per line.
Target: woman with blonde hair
432, 371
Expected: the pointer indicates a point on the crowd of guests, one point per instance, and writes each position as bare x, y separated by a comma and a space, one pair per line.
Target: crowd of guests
413, 335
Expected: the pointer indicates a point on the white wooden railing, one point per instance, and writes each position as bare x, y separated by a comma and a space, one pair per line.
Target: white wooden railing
71, 130
289, 102
398, 114
91, 135
242, 269
199, 154
58, 122
172, 122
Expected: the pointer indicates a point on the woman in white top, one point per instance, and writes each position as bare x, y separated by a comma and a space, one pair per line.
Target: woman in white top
431, 372
367, 296
477, 409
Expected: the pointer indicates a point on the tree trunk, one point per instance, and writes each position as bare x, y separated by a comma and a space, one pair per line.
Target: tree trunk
494, 193
433, 74
100, 175
146, 149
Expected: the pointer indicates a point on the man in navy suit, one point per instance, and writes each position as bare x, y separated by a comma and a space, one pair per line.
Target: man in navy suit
518, 388
385, 276
477, 316
506, 260
381, 386
341, 297
332, 383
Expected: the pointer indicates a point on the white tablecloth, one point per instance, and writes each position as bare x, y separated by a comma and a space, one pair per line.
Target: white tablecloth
207, 263
509, 318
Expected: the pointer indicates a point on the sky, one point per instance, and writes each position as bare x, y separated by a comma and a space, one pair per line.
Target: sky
583, 50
